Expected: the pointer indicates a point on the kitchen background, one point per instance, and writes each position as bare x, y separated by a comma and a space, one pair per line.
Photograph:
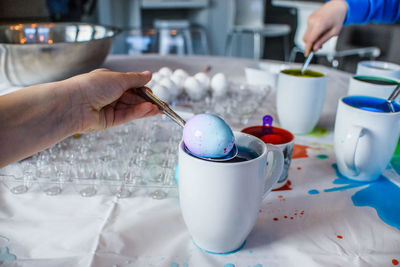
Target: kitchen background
204, 26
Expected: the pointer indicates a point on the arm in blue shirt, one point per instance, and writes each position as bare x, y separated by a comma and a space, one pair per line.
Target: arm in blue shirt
377, 11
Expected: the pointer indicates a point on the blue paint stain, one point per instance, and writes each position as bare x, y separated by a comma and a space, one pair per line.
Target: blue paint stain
322, 156
6, 256
381, 194
250, 251
229, 265
313, 192
173, 264
185, 265
258, 265
384, 197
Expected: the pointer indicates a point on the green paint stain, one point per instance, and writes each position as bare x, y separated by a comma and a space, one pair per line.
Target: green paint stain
322, 156
328, 146
396, 158
318, 132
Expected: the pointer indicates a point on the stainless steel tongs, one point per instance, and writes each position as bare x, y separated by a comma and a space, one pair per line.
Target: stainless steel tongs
147, 94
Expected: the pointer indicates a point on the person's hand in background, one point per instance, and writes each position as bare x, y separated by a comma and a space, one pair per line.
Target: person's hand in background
323, 24
36, 117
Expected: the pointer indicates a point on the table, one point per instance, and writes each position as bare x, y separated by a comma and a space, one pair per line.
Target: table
316, 219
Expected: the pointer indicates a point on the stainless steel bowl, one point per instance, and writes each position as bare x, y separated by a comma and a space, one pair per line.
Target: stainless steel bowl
44, 52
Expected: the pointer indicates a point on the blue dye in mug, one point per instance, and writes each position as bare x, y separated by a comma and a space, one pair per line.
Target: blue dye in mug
369, 103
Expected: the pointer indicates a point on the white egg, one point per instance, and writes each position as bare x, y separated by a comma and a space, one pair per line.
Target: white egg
151, 83
173, 89
203, 79
165, 71
156, 77
219, 84
181, 73
178, 80
162, 92
193, 88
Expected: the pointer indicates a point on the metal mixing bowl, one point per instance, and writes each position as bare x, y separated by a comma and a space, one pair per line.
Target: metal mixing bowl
44, 52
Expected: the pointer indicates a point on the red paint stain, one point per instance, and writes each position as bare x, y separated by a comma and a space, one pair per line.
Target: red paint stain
395, 262
284, 187
275, 219
285, 217
299, 151
299, 168
291, 218
339, 236
259, 211
302, 212
280, 196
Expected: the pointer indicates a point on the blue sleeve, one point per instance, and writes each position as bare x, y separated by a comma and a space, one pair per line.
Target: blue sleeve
377, 11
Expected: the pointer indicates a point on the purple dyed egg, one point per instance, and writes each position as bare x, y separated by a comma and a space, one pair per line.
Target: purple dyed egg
208, 135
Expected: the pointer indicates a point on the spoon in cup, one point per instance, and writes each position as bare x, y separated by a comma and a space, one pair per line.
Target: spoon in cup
147, 94
392, 97
307, 62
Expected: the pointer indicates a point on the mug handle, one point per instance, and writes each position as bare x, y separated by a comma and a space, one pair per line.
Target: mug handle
350, 147
276, 169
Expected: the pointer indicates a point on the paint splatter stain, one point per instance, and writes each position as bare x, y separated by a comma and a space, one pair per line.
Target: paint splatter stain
258, 265
260, 211
322, 156
285, 217
229, 265
6, 256
276, 219
381, 195
313, 192
173, 264
395, 262
185, 265
339, 236
318, 132
284, 187
396, 158
299, 151
299, 168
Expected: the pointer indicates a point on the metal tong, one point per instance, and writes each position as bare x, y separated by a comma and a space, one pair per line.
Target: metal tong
148, 95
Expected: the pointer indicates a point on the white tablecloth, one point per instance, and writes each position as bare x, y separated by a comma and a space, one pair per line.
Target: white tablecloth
323, 220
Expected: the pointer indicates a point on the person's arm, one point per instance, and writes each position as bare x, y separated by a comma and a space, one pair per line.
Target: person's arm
39, 116
323, 24
377, 11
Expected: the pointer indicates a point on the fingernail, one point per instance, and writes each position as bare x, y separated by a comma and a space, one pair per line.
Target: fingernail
146, 72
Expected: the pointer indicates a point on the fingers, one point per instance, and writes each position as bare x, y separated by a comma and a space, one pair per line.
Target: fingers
135, 79
315, 29
142, 110
321, 40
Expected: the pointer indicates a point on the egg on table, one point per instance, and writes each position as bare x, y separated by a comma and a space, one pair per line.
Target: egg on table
207, 135
193, 88
173, 89
203, 79
219, 84
179, 81
165, 71
180, 73
162, 92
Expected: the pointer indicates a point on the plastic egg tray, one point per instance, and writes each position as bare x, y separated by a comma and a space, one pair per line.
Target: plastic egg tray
135, 159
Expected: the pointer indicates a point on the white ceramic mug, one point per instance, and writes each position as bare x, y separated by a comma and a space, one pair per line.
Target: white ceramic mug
300, 101
368, 86
365, 140
378, 68
220, 200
